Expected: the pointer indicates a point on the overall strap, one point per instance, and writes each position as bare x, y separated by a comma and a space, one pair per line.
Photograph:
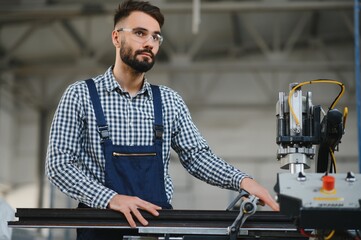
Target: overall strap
98, 110
158, 116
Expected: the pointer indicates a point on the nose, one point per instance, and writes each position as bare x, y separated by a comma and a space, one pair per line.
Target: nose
149, 44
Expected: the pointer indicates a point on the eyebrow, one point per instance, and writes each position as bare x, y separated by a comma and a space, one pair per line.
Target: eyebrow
144, 29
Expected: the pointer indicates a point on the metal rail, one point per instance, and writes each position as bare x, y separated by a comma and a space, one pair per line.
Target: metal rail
172, 222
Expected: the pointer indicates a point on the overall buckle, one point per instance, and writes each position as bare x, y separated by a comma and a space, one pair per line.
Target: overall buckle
103, 132
158, 131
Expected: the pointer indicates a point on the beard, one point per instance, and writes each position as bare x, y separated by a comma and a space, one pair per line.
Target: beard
131, 60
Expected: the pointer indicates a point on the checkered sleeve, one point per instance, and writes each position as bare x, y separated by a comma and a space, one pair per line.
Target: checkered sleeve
63, 160
196, 155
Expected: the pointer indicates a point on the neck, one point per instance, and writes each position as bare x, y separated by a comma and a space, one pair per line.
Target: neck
130, 80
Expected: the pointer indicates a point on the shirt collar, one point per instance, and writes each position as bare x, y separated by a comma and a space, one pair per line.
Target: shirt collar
111, 83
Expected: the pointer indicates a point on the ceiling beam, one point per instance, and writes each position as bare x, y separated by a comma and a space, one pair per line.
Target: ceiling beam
81, 42
224, 66
19, 13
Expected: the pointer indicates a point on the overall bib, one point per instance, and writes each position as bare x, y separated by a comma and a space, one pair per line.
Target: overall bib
130, 170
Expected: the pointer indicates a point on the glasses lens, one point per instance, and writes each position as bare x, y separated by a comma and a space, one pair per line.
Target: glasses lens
157, 38
143, 36
160, 39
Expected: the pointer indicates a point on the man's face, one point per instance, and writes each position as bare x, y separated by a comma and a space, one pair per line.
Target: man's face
139, 45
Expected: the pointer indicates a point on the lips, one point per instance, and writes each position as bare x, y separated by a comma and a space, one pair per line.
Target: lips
146, 53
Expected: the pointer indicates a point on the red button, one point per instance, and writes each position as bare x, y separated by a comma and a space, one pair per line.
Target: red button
328, 183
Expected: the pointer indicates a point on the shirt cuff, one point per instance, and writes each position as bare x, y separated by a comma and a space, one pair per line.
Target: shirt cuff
102, 198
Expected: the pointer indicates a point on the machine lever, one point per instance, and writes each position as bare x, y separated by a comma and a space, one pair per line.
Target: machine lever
248, 207
242, 193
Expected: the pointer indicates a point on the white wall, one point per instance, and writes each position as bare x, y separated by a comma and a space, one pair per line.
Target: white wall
7, 132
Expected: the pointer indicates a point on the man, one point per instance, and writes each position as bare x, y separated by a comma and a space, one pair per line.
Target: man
110, 138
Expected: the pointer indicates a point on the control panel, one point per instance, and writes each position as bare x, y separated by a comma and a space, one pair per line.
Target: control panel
318, 200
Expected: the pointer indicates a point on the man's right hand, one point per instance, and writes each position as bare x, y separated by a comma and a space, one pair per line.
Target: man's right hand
128, 205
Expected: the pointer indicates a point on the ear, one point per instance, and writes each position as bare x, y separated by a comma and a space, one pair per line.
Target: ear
116, 39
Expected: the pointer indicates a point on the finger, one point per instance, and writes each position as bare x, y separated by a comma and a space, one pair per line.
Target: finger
150, 207
155, 206
130, 219
274, 206
139, 216
271, 203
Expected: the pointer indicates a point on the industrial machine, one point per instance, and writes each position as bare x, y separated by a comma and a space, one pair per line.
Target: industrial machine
324, 201
300, 128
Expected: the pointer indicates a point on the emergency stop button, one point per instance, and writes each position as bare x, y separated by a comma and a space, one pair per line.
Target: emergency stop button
328, 184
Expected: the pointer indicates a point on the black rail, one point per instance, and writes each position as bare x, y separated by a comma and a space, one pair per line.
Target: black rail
261, 224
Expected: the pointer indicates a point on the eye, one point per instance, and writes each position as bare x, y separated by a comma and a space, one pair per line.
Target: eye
156, 37
140, 33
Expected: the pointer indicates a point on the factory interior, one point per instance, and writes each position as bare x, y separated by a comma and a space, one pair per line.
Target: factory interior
229, 60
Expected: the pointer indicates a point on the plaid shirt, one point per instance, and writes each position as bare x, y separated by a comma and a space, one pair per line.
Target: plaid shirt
75, 161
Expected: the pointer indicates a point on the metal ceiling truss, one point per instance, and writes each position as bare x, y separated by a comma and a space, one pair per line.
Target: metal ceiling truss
175, 59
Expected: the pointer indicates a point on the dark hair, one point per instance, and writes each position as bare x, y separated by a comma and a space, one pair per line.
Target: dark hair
129, 6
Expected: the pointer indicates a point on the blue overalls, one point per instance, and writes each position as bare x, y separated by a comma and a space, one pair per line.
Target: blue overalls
130, 170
